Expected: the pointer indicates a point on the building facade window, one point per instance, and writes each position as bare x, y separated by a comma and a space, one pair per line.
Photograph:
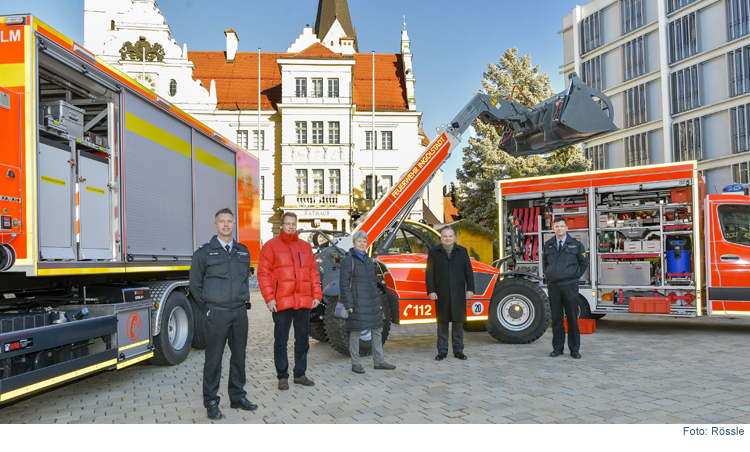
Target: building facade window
368, 187
301, 181
683, 38
591, 36
387, 140
738, 18
300, 87
317, 180
317, 132
636, 149
595, 154
738, 67
635, 105
369, 140
301, 129
740, 174
591, 73
684, 89
262, 139
262, 187
334, 181
317, 87
384, 184
334, 132
632, 15
633, 59
242, 139
333, 87
172, 87
686, 140
739, 118
674, 5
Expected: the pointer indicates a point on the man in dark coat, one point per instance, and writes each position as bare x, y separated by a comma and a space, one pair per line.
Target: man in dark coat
450, 282
564, 263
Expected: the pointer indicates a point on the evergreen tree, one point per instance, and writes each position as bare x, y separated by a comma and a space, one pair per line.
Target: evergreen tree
484, 162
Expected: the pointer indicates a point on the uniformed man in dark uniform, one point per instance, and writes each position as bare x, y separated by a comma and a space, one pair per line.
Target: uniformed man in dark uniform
218, 280
564, 263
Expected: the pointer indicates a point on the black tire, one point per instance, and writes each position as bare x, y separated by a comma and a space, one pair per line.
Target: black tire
335, 329
318, 331
584, 311
199, 326
475, 326
597, 316
519, 311
175, 333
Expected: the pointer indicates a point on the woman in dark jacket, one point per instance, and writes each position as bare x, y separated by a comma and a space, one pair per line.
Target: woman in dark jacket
361, 297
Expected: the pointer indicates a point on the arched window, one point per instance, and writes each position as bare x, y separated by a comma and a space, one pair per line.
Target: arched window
172, 87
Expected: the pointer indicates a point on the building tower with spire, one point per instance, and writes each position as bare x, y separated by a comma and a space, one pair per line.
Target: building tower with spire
333, 22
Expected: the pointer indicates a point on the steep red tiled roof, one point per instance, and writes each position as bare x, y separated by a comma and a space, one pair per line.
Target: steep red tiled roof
237, 82
390, 85
316, 50
450, 213
425, 140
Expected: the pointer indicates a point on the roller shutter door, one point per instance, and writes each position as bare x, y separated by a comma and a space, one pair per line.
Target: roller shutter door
158, 183
215, 171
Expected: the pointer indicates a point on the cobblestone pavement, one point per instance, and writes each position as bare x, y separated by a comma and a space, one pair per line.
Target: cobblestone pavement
635, 369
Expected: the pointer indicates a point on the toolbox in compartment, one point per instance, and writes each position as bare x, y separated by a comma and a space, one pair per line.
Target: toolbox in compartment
651, 245
68, 116
650, 305
631, 245
569, 208
679, 195
626, 273
578, 221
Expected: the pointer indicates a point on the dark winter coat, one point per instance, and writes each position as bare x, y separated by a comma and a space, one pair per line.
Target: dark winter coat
219, 280
359, 292
450, 279
567, 266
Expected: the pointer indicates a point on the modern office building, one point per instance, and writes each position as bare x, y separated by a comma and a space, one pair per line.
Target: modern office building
678, 75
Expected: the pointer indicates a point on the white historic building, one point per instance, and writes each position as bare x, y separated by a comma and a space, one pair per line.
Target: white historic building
678, 75
311, 106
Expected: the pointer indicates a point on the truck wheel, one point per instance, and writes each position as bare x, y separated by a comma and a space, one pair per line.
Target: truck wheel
176, 333
519, 311
318, 331
199, 326
475, 326
336, 329
584, 311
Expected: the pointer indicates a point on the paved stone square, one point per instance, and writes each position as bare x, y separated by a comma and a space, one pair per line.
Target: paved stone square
635, 369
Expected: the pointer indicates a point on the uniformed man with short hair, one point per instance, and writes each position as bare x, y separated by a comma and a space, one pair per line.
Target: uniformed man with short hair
219, 281
565, 262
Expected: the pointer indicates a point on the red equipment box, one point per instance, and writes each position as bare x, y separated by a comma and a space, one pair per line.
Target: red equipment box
650, 305
681, 194
578, 221
585, 326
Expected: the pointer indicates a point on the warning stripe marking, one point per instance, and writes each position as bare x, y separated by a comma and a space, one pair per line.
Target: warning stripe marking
157, 135
52, 180
95, 190
12, 74
214, 162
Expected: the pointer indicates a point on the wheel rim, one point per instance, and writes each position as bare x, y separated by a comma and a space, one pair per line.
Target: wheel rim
177, 328
515, 312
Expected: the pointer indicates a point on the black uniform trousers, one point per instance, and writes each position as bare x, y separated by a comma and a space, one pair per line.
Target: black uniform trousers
282, 321
564, 296
223, 326
457, 338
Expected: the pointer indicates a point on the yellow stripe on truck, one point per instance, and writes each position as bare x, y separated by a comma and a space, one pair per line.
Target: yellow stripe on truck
214, 162
52, 180
52, 381
157, 135
12, 74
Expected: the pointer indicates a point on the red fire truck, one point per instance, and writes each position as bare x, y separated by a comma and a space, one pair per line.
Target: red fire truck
657, 243
105, 191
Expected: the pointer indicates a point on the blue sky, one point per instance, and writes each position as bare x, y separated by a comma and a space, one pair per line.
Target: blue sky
452, 41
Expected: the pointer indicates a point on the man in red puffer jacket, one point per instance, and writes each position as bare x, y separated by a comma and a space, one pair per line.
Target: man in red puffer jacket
289, 282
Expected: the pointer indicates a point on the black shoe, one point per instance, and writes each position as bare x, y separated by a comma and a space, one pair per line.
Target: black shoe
358, 369
213, 411
555, 354
441, 356
460, 355
384, 366
244, 404
575, 355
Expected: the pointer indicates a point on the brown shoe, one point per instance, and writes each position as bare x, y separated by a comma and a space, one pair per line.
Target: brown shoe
283, 385
304, 381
